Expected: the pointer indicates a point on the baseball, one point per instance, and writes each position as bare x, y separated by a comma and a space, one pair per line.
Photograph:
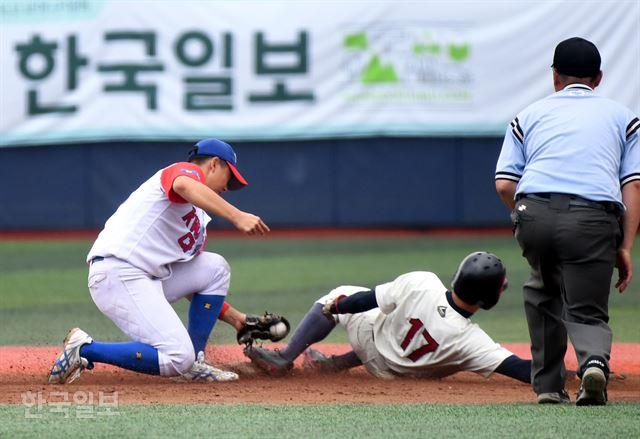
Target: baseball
278, 330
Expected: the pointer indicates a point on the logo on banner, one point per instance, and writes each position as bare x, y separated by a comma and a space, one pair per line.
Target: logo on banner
410, 64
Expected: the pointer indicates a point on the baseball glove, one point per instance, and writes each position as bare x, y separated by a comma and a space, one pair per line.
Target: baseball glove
266, 327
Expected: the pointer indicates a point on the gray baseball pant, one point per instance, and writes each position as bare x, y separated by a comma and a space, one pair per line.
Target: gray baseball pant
572, 253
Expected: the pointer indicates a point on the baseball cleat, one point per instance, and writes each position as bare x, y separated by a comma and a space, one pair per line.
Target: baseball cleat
203, 371
69, 364
561, 397
316, 360
269, 361
593, 390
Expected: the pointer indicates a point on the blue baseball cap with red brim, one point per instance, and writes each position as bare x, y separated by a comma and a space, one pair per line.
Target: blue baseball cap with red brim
218, 148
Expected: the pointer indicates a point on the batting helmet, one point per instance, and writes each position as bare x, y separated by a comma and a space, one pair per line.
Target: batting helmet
479, 279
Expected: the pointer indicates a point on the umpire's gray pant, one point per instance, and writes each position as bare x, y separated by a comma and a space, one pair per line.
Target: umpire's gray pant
572, 253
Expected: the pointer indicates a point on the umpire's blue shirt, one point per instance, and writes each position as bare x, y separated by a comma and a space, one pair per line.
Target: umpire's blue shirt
572, 142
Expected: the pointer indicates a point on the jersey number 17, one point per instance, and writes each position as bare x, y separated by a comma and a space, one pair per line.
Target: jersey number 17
432, 345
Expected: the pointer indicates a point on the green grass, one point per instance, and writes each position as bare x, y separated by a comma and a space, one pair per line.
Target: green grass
333, 421
43, 292
43, 288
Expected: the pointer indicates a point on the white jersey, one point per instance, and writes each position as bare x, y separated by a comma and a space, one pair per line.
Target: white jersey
155, 227
418, 333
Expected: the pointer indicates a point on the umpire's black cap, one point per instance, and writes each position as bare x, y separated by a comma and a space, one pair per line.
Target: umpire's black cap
577, 57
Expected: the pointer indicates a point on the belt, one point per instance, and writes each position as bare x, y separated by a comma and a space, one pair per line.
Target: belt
575, 200
96, 259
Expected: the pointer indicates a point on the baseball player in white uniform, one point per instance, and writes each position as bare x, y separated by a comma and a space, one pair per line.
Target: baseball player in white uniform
151, 254
412, 326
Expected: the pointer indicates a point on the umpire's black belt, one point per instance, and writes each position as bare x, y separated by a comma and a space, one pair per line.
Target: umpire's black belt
575, 200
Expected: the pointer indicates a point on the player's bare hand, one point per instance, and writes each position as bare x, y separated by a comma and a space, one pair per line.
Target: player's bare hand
625, 269
331, 307
250, 224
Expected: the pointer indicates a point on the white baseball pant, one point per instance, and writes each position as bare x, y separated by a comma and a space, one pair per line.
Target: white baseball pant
139, 304
359, 329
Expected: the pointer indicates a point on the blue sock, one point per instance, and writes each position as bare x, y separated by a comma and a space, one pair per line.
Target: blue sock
203, 315
131, 355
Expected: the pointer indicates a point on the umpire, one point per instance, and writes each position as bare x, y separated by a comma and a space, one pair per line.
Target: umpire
570, 170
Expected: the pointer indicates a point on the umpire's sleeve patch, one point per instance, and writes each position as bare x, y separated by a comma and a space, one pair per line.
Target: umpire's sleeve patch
516, 129
632, 127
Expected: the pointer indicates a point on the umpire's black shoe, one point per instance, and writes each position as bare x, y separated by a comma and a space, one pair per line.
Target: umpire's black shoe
561, 397
593, 390
270, 361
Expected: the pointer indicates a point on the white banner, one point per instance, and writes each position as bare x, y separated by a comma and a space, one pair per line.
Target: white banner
83, 70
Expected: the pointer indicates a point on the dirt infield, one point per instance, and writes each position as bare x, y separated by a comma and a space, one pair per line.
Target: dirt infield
24, 369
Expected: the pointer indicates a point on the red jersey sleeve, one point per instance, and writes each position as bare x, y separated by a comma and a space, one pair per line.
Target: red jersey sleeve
170, 173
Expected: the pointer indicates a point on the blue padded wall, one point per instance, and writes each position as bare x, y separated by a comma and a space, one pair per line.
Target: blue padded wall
373, 182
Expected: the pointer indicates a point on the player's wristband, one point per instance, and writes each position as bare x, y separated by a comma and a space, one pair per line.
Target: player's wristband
225, 307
